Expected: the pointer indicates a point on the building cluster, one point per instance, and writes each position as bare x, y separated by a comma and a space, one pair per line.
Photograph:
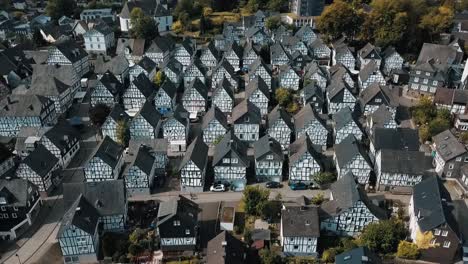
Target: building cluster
215, 115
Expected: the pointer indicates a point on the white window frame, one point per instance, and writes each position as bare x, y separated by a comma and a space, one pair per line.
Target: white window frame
437, 232
446, 244
444, 233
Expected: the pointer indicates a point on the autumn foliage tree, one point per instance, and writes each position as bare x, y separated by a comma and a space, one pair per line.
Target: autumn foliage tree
143, 26
338, 18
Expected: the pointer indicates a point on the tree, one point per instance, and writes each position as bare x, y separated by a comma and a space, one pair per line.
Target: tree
98, 114
177, 27
122, 132
134, 249
318, 199
324, 178
143, 26
255, 199
272, 210
338, 18
277, 5
464, 137
252, 6
268, 256
329, 255
438, 20
407, 250
438, 125
283, 96
159, 78
207, 11
58, 8
265, 53
272, 23
424, 239
383, 236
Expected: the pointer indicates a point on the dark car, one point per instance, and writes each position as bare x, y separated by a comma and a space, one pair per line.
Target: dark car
273, 185
298, 186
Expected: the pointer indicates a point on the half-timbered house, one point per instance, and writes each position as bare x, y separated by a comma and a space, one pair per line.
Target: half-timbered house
306, 34
214, 126
249, 55
341, 73
373, 97
193, 167
257, 93
344, 55
209, 56
345, 123
350, 156
259, 68
299, 61
339, 96
234, 55
176, 129
300, 230
63, 141
7, 159
165, 97
194, 70
292, 44
361, 254
289, 78
383, 117
20, 205
278, 54
177, 225
367, 54
146, 123
312, 94
173, 70
349, 210
392, 60
304, 161
369, 74
158, 150
116, 115
118, 65
68, 52
106, 162
160, 49
279, 33
223, 70
223, 97
140, 171
393, 139
315, 72
108, 90
320, 52
146, 66
246, 120
257, 36
195, 98
308, 122
183, 53
135, 95
449, 154
269, 159
225, 248
280, 126
39, 167
230, 161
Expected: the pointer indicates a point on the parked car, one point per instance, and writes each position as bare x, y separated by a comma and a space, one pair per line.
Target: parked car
218, 188
298, 186
273, 185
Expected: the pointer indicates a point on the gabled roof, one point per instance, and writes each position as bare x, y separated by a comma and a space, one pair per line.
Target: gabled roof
360, 255
135, 46
199, 86
301, 146
389, 51
225, 249
117, 65
305, 116
112, 84
107, 197
211, 48
285, 69
236, 48
373, 90
196, 62
142, 160
147, 6
368, 49
226, 86
369, 69
41, 161
257, 83
16, 191
144, 85
318, 43
277, 50
23, 105
336, 87
267, 145
304, 29
299, 221
52, 80
279, 113
381, 116
247, 48
314, 67
395, 139
180, 206
312, 89
427, 204
230, 143
81, 214
150, 114
214, 113
71, 50
447, 145
109, 152
169, 88
174, 65
197, 152
61, 135
349, 148
161, 45
246, 107
440, 54
411, 162
257, 63
147, 64
179, 114
118, 113
224, 63
344, 117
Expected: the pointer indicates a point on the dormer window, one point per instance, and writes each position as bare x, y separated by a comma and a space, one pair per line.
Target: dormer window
187, 231
176, 223
3, 200
269, 157
418, 72
437, 232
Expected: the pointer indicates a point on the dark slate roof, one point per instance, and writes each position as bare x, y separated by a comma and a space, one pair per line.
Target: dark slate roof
144, 85
173, 65
81, 214
257, 83
277, 50
199, 86
61, 135
301, 146
185, 210
246, 107
156, 145
299, 221
303, 30
15, 191
411, 162
147, 64
71, 50
109, 151
279, 113
213, 50
147, 6
318, 43
267, 145
135, 46
230, 143
247, 48
41, 161
142, 160
427, 204
237, 49
389, 51
257, 63
23, 105
224, 63
214, 113
344, 117
179, 114
367, 49
338, 71
375, 89
118, 113
225, 249
101, 27
312, 89
150, 114
197, 152
335, 89
448, 146
161, 45
395, 139
107, 197
169, 88
117, 65
5, 153
225, 85
314, 67
441, 54
346, 192
111, 83
52, 80
348, 149
368, 70
187, 45
305, 116
381, 116
360, 255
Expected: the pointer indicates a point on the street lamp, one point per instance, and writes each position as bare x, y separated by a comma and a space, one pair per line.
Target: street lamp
19, 260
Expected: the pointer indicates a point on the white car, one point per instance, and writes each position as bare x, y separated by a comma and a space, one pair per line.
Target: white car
218, 188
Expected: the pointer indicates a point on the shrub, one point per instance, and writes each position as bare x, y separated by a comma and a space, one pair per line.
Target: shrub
407, 250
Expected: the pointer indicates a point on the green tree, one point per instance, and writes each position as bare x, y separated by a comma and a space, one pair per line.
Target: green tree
255, 199
407, 250
143, 26
283, 96
122, 132
207, 11
464, 137
329, 255
338, 18
438, 125
273, 22
277, 5
324, 177
317, 199
98, 114
383, 236
272, 210
58, 8
159, 78
177, 27
253, 5
438, 20
267, 256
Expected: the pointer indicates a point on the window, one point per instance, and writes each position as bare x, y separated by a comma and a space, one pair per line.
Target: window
269, 157
433, 241
14, 215
226, 160
451, 165
187, 231
449, 173
458, 159
428, 74
234, 161
3, 208
437, 232
444, 233
81, 240
416, 79
378, 100
418, 72
15, 208
446, 244
466, 159
434, 83
176, 223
